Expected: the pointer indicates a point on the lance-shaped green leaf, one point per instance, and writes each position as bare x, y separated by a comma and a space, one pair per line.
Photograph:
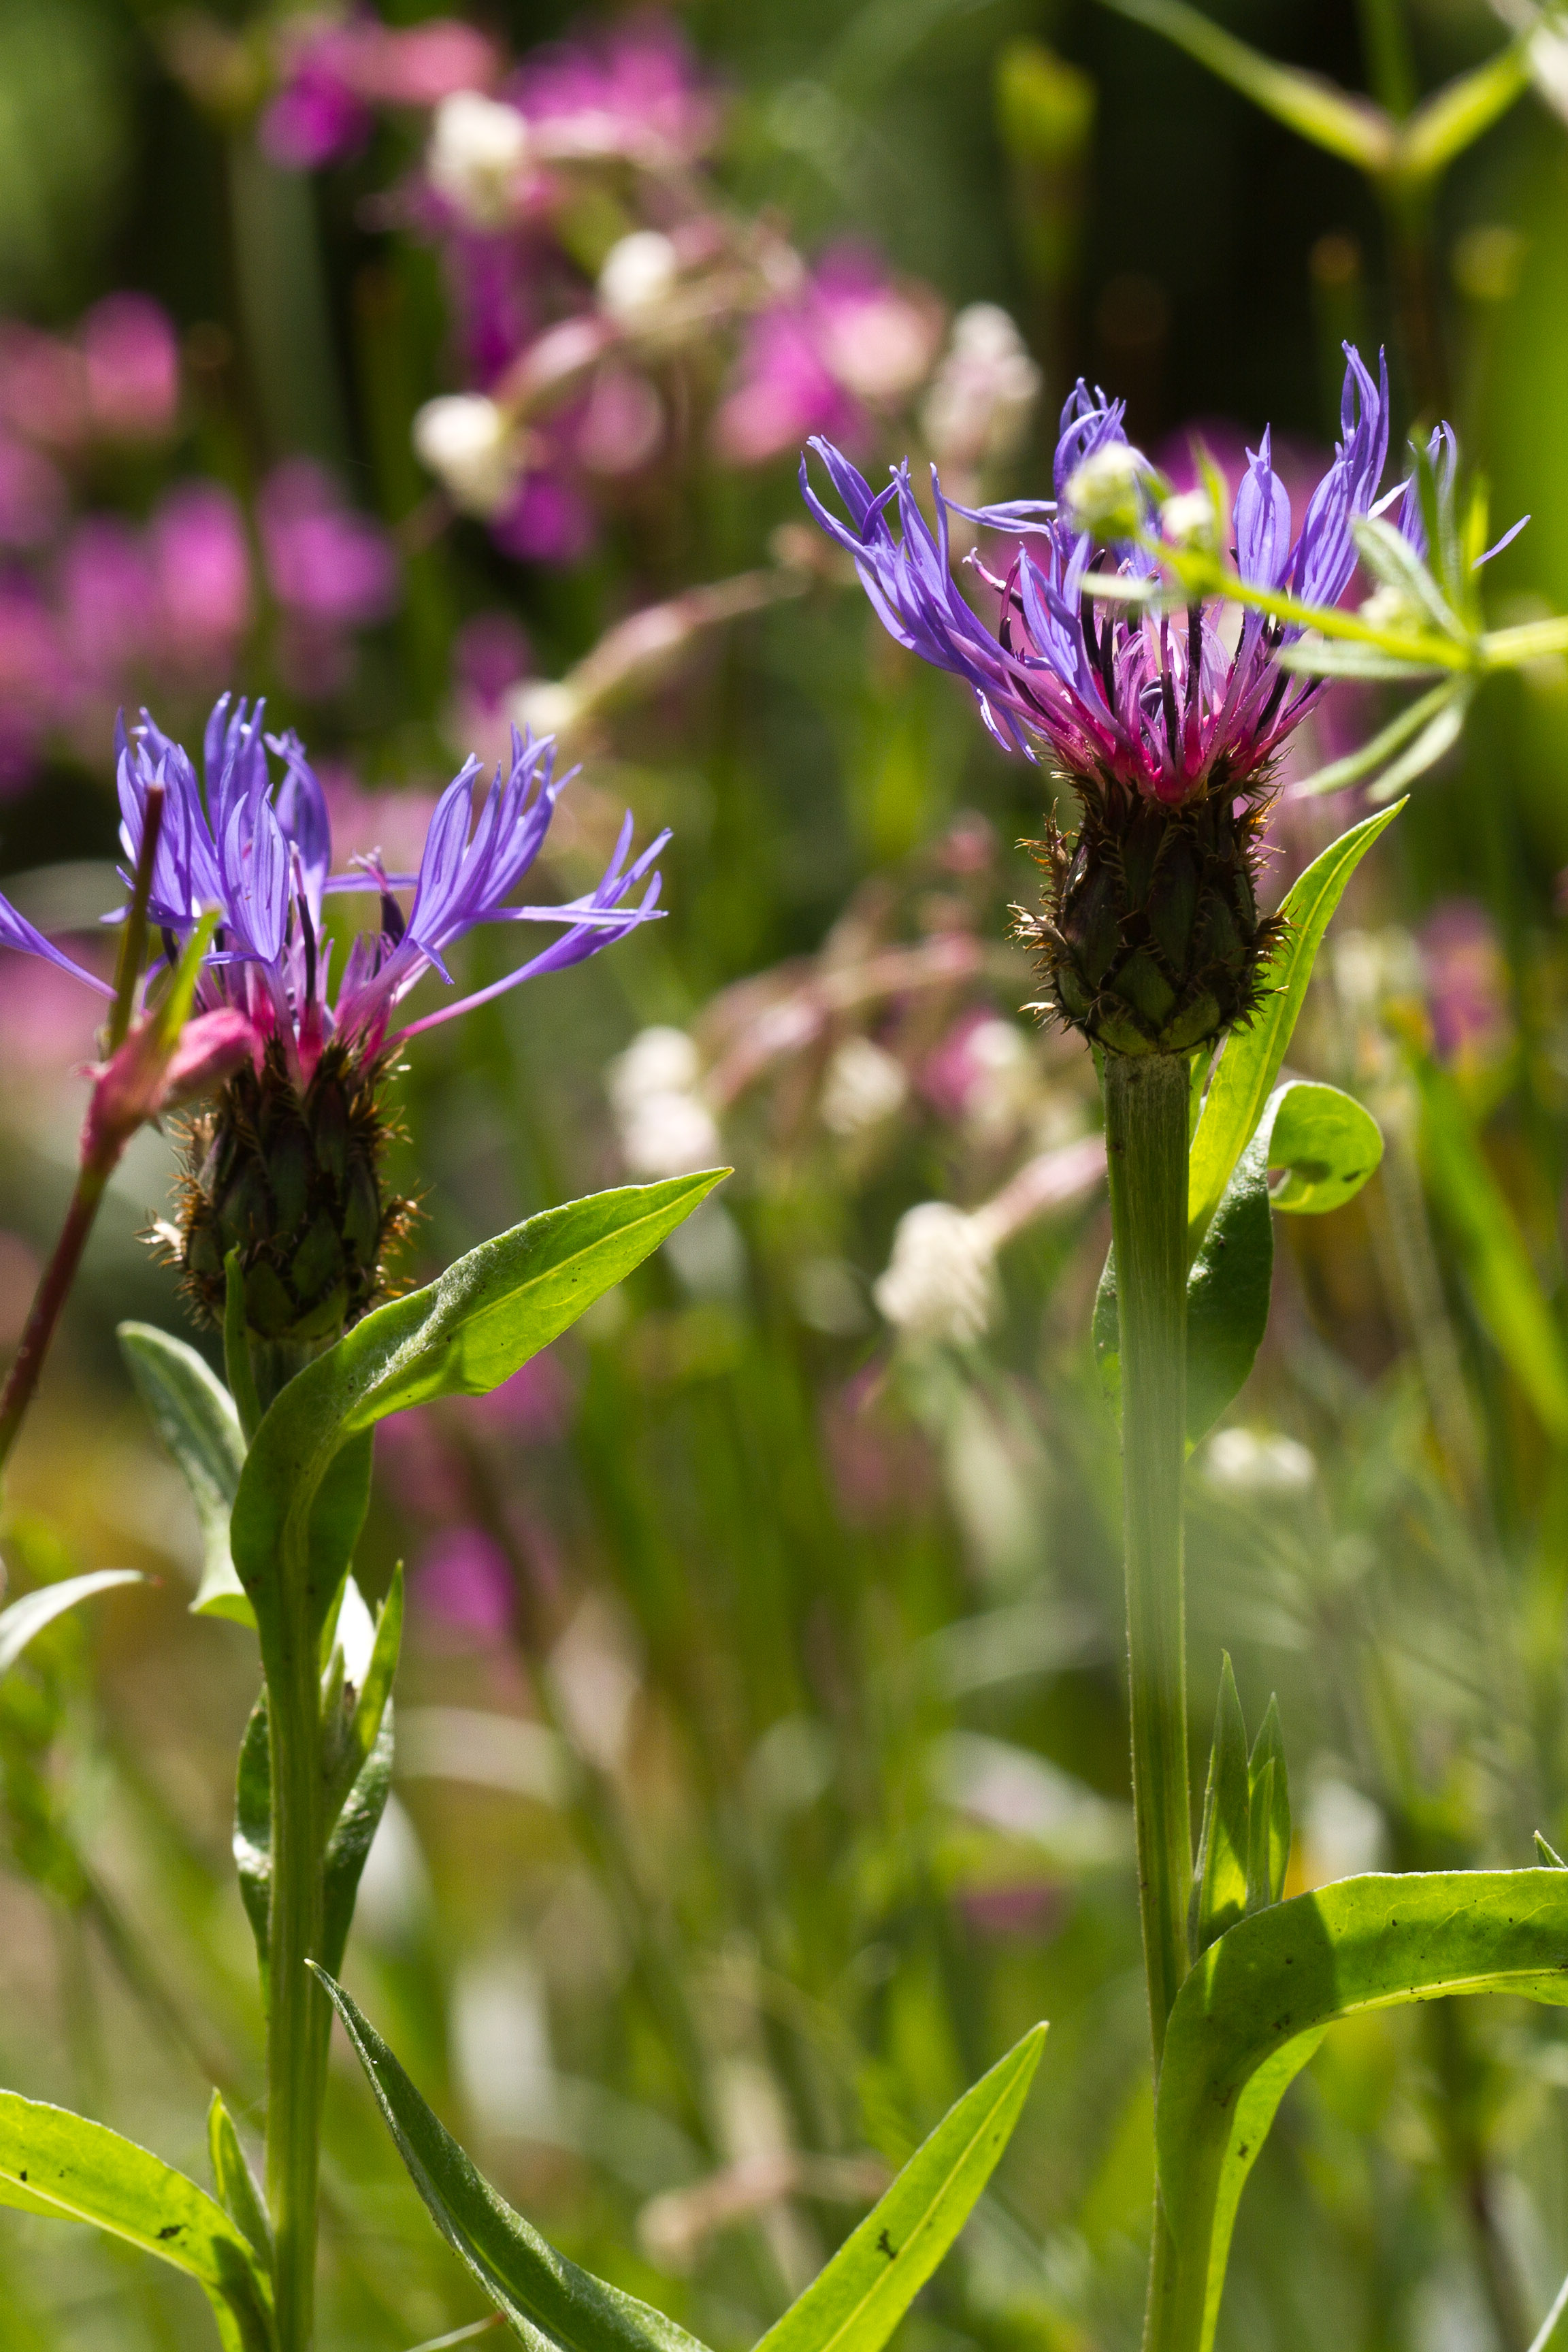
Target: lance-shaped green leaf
1352, 128
1268, 1815
1326, 1145
1436, 738
1509, 1296
22, 1619
1219, 1874
56, 2163
1251, 1058
548, 2299
356, 1735
232, 2177
348, 1846
855, 2303
1411, 726
1259, 2000
1394, 564
464, 1335
194, 1415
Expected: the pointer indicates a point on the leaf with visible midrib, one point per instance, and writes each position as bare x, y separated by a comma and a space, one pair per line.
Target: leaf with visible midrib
548, 2299
462, 1336
53, 2162
194, 1415
855, 2303
1259, 2000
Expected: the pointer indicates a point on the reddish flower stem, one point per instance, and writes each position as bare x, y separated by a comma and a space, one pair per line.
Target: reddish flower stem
98, 1162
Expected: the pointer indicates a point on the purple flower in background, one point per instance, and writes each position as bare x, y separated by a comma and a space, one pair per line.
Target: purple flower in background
1467, 979
848, 338
33, 496
257, 848
35, 680
1167, 711
634, 89
465, 1584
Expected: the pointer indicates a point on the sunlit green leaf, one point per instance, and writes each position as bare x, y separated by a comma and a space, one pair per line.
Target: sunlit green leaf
1268, 1814
1436, 740
1250, 1059
1258, 2001
194, 1414
464, 1335
855, 2303
1219, 1874
55, 2162
1508, 1294
547, 2299
236, 2189
28, 1616
1352, 128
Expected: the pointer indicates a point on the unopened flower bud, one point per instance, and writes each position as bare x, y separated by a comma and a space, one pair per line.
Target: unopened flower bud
940, 1283
478, 149
637, 276
466, 441
1105, 495
149, 1074
542, 706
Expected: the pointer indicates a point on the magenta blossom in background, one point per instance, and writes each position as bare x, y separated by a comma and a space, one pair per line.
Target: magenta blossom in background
324, 562
548, 521
35, 681
533, 1407
489, 654
849, 339
201, 560
335, 73
634, 89
1467, 983
464, 1583
132, 363
33, 496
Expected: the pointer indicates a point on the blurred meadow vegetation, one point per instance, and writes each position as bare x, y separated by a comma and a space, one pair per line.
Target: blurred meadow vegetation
761, 1727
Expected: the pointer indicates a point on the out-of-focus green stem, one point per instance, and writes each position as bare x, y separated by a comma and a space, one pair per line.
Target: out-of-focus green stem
1146, 1149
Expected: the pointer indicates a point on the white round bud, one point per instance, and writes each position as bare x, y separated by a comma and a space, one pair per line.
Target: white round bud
940, 1283
1189, 520
1105, 494
665, 1128
542, 706
466, 441
638, 274
477, 152
864, 1085
983, 394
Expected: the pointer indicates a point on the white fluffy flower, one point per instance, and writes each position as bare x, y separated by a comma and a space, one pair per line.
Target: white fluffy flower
864, 1085
665, 1128
477, 148
638, 274
467, 443
1189, 520
940, 1283
1242, 1463
543, 706
983, 394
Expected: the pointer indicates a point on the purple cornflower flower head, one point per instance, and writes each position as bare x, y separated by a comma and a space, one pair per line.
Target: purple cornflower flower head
1166, 711
283, 1176
257, 848
634, 89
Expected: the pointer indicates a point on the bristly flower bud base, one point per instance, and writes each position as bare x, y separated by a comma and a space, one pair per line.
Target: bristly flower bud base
293, 1181
1151, 942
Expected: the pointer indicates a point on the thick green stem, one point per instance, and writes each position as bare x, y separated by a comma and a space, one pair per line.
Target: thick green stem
297, 2014
1146, 1147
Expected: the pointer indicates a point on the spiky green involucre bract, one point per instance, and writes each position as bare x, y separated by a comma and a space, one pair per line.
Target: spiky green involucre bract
293, 1181
1150, 940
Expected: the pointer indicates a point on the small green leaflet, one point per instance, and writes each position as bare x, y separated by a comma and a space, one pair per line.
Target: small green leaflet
194, 1414
855, 2303
53, 2162
464, 1335
1219, 1874
1326, 1146
28, 1616
1259, 2000
1250, 1059
550, 2301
